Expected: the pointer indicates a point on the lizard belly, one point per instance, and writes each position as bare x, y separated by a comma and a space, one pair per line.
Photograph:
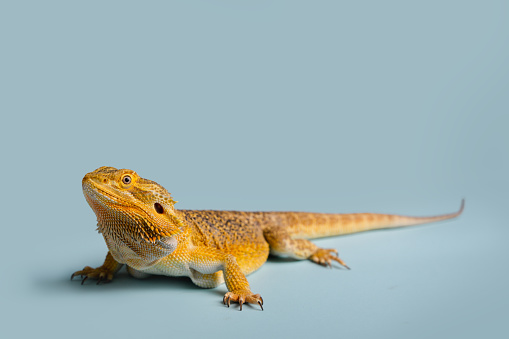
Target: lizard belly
169, 266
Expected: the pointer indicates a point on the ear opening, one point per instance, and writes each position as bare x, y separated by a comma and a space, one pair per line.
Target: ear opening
159, 208
168, 243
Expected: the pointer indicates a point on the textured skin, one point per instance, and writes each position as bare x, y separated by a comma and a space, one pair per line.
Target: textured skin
144, 231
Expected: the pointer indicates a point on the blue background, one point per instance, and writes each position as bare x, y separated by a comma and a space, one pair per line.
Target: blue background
325, 106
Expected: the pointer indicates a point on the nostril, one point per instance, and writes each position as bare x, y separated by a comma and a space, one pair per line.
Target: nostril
105, 180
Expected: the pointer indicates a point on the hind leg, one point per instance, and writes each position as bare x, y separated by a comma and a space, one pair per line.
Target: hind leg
207, 280
282, 244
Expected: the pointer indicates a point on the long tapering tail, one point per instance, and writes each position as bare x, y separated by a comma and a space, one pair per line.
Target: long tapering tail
317, 225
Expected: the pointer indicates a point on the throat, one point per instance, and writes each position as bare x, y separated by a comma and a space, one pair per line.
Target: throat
136, 252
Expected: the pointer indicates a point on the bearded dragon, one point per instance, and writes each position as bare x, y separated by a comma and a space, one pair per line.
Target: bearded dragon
143, 230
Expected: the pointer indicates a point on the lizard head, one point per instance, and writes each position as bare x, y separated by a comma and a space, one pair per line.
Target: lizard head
131, 210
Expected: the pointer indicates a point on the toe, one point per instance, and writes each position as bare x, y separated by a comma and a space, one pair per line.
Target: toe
242, 298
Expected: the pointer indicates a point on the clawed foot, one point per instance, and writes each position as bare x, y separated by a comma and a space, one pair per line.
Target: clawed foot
243, 297
101, 273
325, 256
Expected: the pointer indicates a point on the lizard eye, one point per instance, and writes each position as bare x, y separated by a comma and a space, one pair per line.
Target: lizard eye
159, 209
126, 179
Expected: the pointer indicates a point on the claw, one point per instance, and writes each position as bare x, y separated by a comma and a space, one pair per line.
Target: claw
242, 300
242, 297
84, 279
72, 276
99, 280
324, 257
342, 263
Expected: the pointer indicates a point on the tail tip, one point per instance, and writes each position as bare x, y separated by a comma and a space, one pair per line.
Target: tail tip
462, 207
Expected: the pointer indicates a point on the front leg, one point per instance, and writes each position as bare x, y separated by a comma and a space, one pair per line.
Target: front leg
208, 261
102, 273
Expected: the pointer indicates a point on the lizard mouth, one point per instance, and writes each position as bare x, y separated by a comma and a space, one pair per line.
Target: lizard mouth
92, 190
